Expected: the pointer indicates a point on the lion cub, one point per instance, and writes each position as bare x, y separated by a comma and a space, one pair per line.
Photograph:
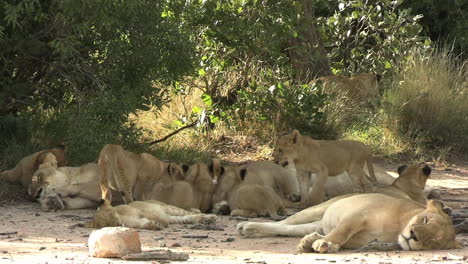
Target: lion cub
151, 214
325, 158
258, 188
132, 174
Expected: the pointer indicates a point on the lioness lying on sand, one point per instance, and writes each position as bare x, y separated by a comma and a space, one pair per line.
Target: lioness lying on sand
151, 214
25, 169
68, 187
325, 158
259, 188
352, 221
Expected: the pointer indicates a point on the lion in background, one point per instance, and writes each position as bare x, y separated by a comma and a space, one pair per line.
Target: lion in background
324, 158
360, 87
151, 214
24, 170
341, 223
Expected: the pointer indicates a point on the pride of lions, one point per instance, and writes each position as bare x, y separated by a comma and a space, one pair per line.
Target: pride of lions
139, 190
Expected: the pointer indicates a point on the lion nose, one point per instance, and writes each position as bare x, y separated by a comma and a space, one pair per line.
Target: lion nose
413, 235
285, 164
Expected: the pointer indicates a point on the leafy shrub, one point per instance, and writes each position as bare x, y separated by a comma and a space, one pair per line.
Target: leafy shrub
369, 36
427, 105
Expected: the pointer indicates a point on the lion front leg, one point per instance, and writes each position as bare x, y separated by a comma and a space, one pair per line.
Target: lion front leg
315, 242
318, 189
141, 222
334, 240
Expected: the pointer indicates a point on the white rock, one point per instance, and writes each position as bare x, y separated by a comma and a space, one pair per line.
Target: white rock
113, 242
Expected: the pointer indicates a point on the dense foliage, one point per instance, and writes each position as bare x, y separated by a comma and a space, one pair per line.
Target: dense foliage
72, 71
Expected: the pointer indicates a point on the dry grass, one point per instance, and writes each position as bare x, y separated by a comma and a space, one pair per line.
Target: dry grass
243, 142
427, 105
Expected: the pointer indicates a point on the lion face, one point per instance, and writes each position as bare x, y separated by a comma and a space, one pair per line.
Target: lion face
49, 199
227, 181
429, 230
105, 216
286, 149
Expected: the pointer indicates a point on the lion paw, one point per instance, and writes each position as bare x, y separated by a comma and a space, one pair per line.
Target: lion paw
208, 219
154, 226
247, 229
306, 242
322, 246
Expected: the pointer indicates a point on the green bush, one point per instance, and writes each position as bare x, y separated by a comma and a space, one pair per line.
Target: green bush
427, 104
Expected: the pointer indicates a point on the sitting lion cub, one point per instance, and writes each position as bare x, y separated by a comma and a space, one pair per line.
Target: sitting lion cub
352, 221
151, 214
325, 158
258, 188
25, 169
132, 174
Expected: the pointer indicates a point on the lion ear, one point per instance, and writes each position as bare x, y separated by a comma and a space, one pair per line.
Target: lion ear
434, 206
401, 169
192, 173
295, 136
426, 170
215, 168
175, 171
243, 173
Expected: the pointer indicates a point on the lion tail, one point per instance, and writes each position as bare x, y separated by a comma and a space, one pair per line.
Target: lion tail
370, 168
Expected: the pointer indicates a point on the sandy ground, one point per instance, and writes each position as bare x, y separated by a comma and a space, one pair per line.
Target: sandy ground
28, 235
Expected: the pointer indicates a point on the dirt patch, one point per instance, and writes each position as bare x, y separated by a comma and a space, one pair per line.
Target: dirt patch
28, 235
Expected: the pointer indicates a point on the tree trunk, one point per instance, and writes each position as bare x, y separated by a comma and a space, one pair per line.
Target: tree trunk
306, 51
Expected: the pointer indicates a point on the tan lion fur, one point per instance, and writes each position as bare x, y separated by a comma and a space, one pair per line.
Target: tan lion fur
132, 174
68, 187
341, 223
151, 214
361, 86
26, 167
193, 192
325, 158
259, 188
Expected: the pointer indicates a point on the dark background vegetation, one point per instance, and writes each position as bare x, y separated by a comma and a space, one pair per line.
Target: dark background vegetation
74, 71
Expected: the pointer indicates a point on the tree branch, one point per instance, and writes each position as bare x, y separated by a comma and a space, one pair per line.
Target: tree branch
173, 133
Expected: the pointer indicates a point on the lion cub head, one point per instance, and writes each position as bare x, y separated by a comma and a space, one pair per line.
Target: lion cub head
106, 215
289, 148
429, 230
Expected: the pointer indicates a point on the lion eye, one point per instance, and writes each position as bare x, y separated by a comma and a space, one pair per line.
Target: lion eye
425, 220
280, 150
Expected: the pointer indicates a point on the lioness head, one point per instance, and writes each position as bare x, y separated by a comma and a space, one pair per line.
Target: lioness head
289, 146
105, 215
429, 230
204, 179
43, 177
49, 199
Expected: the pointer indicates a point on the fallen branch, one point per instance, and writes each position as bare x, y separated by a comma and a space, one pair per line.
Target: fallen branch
173, 133
157, 255
8, 233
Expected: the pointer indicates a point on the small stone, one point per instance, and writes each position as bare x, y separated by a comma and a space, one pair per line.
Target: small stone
42, 248
176, 245
113, 242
